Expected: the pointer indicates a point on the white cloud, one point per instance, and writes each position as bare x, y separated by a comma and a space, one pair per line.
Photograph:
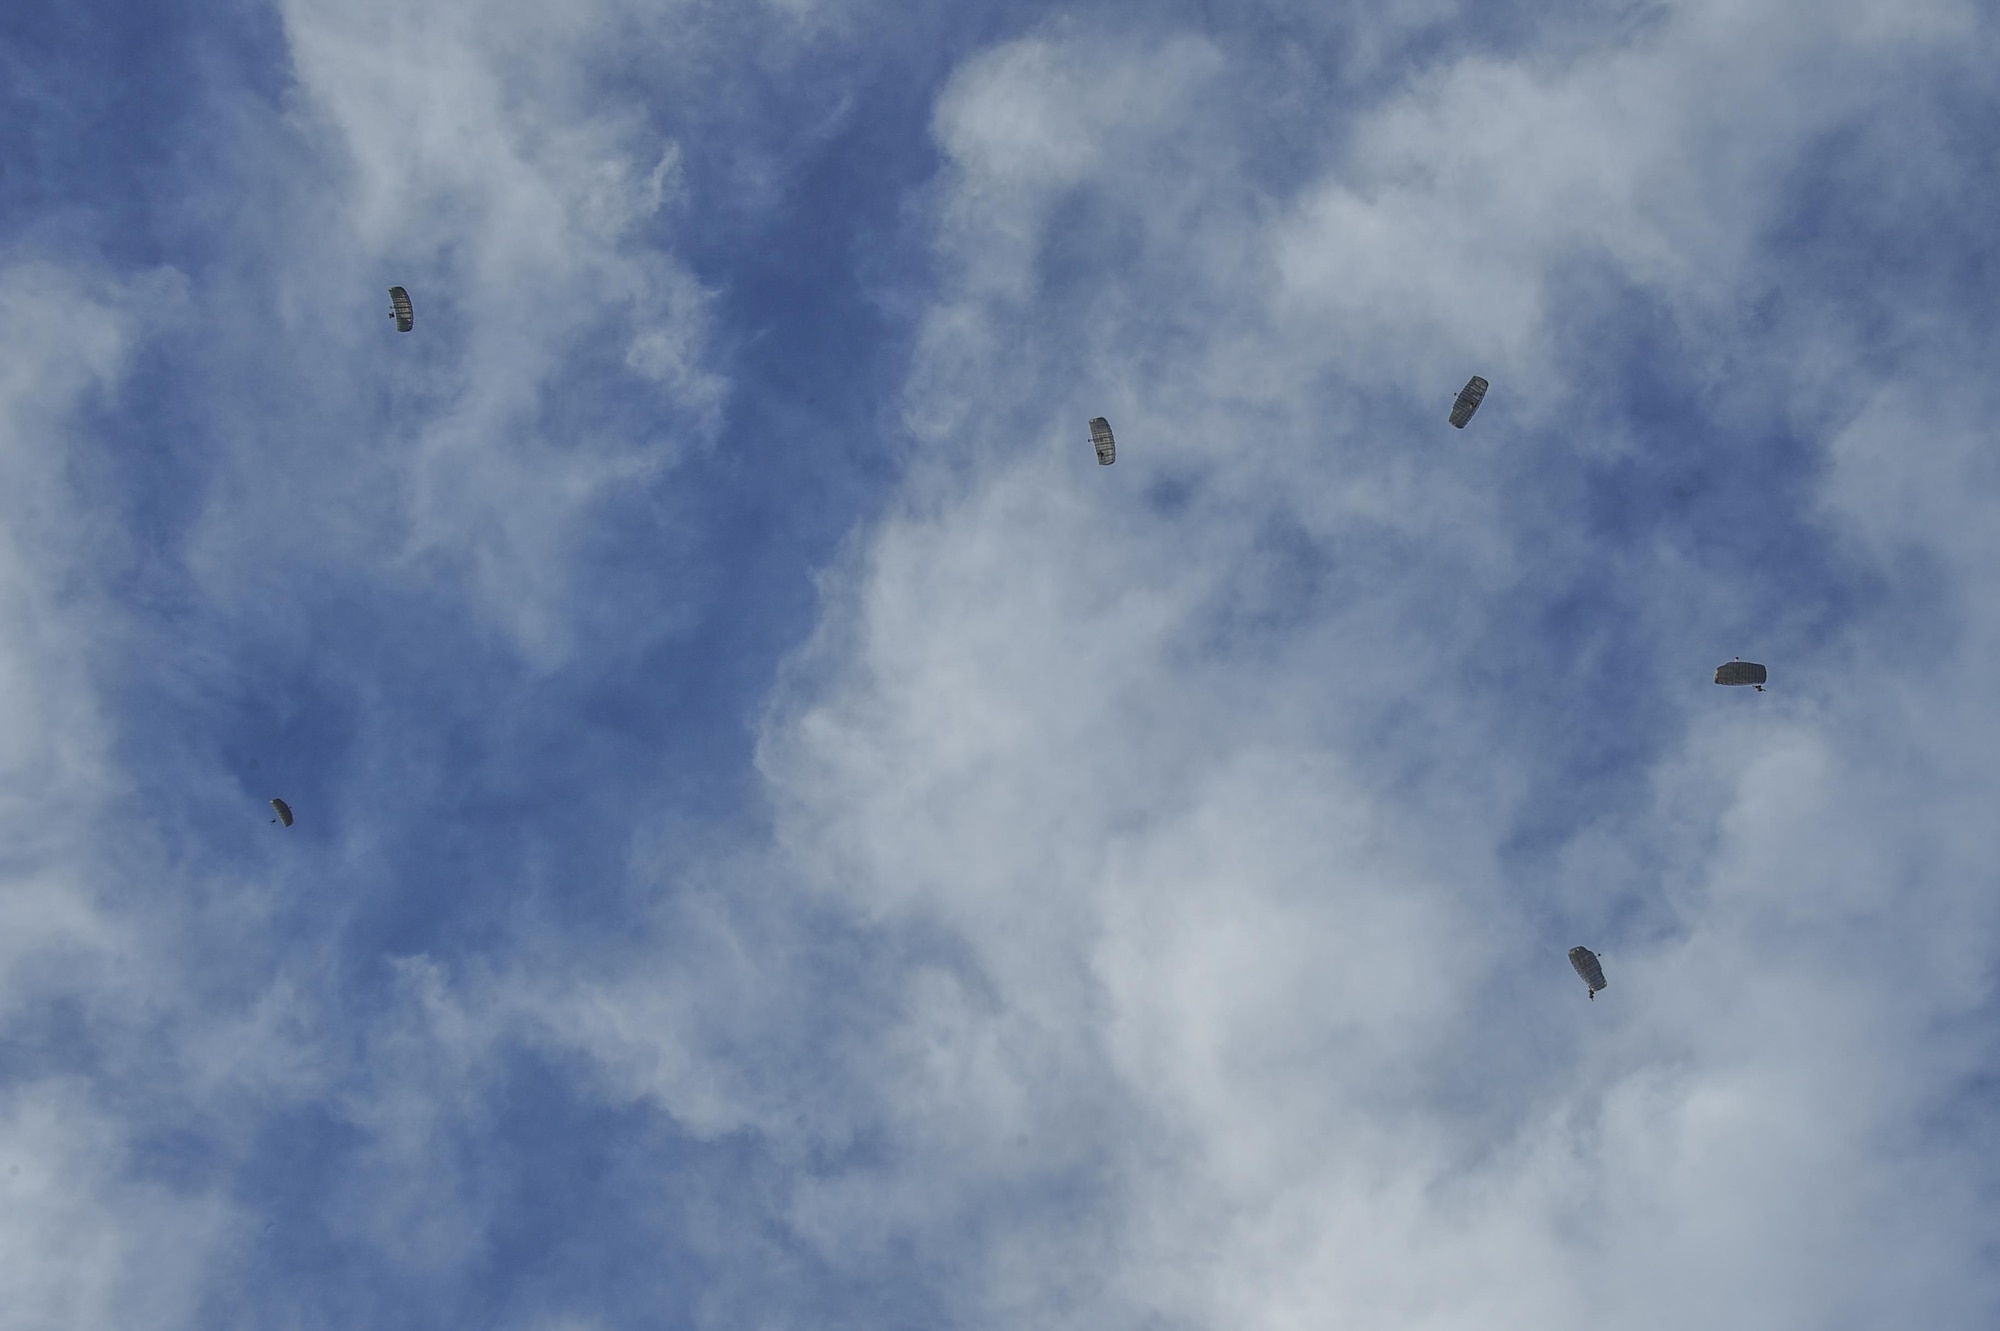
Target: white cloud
71, 342
86, 1241
1191, 976
462, 151
85, 1244
1242, 955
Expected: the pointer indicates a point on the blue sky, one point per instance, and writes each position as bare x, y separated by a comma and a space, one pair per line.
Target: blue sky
786, 841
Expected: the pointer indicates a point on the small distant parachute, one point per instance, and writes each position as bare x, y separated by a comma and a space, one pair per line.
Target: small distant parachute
1100, 435
400, 311
1469, 398
1587, 969
1741, 671
284, 812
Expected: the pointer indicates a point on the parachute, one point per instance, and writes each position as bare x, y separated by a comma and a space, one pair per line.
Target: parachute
1469, 398
1587, 969
1100, 435
284, 812
400, 311
1741, 671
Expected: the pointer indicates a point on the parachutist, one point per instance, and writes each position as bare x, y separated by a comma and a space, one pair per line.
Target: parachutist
1585, 962
1469, 398
1100, 436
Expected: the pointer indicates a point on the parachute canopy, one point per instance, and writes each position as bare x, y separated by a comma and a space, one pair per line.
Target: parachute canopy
1469, 398
284, 812
1741, 671
1100, 435
400, 311
1587, 969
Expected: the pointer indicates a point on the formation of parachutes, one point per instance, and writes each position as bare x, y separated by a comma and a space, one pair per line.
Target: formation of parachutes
1462, 407
405, 316
1588, 966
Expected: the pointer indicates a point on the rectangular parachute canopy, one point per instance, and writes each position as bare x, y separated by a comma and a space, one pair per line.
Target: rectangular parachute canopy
400, 311
1100, 435
1469, 398
1587, 967
1741, 672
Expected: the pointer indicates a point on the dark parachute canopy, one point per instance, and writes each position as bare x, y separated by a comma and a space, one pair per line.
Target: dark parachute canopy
400, 311
1741, 671
1587, 969
1100, 435
1469, 398
284, 811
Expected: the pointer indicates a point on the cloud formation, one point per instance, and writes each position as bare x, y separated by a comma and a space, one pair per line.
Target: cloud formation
1260, 811
1140, 897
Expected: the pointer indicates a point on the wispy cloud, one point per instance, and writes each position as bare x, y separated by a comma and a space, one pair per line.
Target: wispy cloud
1233, 768
1142, 900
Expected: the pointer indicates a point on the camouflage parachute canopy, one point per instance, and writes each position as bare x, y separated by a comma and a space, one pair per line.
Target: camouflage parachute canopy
1100, 435
1469, 398
400, 310
1587, 969
1741, 671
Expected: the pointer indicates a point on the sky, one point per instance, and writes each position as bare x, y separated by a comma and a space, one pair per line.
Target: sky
786, 842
